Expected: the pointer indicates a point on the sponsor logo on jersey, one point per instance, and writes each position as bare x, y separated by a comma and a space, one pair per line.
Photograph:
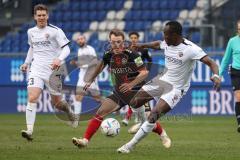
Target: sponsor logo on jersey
121, 70
173, 60
42, 43
124, 61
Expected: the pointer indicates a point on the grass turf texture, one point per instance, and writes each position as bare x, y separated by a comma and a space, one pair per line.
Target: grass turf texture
198, 138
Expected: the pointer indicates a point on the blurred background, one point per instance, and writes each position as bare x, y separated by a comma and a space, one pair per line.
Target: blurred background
208, 23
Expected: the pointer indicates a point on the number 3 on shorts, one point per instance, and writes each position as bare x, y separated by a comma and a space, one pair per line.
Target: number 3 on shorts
31, 81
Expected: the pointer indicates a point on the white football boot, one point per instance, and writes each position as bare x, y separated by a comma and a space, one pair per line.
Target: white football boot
80, 143
124, 149
166, 141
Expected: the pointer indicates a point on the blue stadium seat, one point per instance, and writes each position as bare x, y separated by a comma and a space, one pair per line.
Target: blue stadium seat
146, 15
196, 37
76, 26
181, 4
100, 5
137, 5
154, 5
93, 5
163, 4
191, 4
154, 15
83, 15
129, 26
76, 6
137, 15
76, 16
118, 4
92, 16
165, 14
129, 15
172, 4
67, 16
84, 6
173, 14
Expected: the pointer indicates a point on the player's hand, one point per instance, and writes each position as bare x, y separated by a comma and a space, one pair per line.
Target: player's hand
87, 85
125, 87
24, 67
56, 64
73, 62
216, 82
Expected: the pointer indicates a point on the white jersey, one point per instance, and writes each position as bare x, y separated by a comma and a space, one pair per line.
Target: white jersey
46, 44
87, 50
86, 57
180, 61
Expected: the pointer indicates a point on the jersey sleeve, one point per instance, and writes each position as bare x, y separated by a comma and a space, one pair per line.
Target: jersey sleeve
197, 53
163, 44
147, 55
61, 38
226, 58
29, 38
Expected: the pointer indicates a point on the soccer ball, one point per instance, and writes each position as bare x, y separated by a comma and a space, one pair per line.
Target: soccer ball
110, 127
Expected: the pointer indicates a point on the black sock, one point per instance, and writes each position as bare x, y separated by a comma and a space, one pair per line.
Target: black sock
237, 110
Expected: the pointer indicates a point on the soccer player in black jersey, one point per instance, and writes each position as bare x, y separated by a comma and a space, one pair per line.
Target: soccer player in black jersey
128, 75
146, 56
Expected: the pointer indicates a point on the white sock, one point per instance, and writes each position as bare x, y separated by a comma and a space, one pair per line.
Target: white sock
77, 107
30, 115
140, 112
141, 133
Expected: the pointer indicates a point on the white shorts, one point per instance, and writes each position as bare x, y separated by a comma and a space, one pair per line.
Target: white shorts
163, 90
53, 88
93, 89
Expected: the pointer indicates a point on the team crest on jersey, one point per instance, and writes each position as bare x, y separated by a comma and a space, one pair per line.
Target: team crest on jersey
118, 60
180, 54
47, 35
124, 61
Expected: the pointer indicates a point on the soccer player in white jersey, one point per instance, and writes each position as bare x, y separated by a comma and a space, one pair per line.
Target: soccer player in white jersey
180, 59
87, 62
48, 49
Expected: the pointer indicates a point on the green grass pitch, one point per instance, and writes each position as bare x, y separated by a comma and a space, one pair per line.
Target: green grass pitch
198, 138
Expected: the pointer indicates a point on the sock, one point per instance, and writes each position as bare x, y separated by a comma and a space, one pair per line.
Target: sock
30, 115
77, 107
140, 113
93, 126
129, 113
237, 111
141, 133
157, 129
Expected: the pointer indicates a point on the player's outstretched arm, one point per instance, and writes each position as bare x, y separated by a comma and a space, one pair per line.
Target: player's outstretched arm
152, 45
28, 60
143, 73
100, 66
214, 68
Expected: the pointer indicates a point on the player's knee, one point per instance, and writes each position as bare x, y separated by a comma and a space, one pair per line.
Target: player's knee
32, 98
237, 95
153, 117
134, 103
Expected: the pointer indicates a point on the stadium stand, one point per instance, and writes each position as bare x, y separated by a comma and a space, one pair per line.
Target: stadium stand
96, 18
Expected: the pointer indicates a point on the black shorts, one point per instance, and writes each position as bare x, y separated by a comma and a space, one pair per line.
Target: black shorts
235, 77
122, 99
